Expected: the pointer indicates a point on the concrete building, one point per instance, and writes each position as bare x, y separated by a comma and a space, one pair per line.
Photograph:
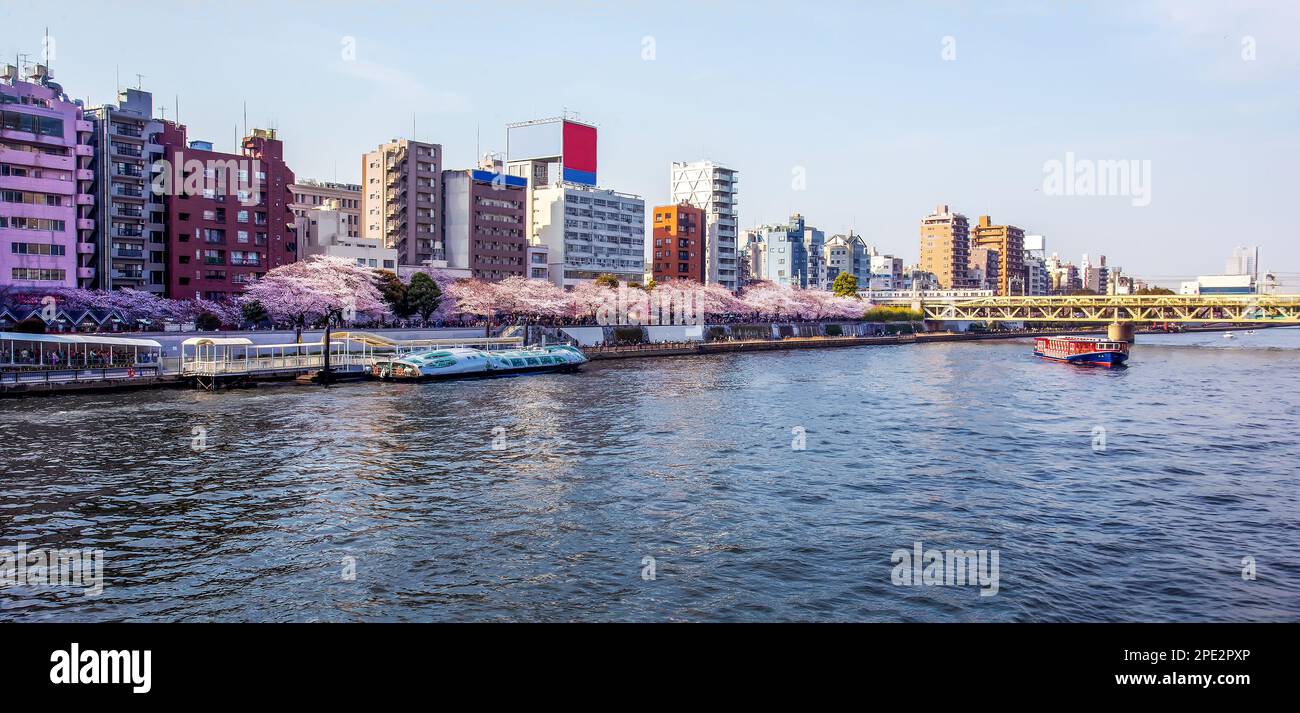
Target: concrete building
1095, 278
1062, 275
400, 200
847, 253
130, 232
1220, 285
46, 221
984, 269
1037, 279
790, 255
1009, 242
588, 232
1244, 261
484, 223
538, 262
679, 243
752, 255
945, 247
223, 236
309, 194
887, 272
327, 230
712, 188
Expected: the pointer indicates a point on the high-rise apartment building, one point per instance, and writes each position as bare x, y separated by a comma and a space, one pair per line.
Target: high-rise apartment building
984, 268
237, 225
485, 223
945, 247
46, 201
679, 243
712, 188
1009, 242
309, 194
401, 200
129, 217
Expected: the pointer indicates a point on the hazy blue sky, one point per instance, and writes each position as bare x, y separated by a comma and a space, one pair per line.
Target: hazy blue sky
856, 95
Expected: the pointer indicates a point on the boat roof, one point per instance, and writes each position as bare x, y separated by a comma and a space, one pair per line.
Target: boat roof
79, 339
217, 341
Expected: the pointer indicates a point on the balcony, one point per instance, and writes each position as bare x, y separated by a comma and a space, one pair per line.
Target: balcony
124, 130
83, 150
128, 192
85, 248
125, 150
85, 199
129, 172
84, 126
85, 273
127, 276
128, 254
128, 233
85, 174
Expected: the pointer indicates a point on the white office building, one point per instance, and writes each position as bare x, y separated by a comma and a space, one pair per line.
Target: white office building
712, 188
588, 232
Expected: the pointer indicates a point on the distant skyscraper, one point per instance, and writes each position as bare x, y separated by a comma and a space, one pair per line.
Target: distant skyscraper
401, 200
1244, 261
712, 188
945, 247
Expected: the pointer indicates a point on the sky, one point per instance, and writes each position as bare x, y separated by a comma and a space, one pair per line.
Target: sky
861, 115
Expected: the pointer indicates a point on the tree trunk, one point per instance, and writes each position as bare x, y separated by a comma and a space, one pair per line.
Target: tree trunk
326, 375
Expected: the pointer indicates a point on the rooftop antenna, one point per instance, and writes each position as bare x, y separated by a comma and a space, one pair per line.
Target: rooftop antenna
139, 81
245, 118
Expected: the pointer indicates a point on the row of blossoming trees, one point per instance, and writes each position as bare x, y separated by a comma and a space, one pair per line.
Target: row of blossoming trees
325, 290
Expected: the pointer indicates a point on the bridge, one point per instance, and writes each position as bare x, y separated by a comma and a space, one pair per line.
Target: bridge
1120, 312
1122, 309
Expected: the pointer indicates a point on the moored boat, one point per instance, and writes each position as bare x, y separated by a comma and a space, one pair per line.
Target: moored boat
464, 362
1082, 350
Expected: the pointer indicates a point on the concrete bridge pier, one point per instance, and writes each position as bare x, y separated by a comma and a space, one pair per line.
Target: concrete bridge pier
1120, 332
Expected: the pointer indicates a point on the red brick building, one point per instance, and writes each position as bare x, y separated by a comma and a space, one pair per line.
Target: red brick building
679, 243
229, 219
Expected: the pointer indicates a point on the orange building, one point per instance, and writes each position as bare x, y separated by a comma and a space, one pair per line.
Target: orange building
1009, 241
679, 243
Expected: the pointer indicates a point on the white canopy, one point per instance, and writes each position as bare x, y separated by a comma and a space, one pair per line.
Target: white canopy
79, 339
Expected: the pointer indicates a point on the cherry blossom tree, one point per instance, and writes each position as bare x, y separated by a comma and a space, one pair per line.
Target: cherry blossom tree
318, 288
588, 298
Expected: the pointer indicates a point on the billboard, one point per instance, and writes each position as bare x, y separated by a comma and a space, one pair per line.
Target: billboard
570, 143
579, 153
534, 141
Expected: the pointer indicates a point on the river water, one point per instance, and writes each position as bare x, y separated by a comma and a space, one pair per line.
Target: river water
764, 486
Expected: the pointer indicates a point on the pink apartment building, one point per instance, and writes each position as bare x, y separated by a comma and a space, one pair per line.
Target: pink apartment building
46, 234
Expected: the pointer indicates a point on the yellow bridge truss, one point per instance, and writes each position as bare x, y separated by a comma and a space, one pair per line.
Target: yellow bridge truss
1187, 309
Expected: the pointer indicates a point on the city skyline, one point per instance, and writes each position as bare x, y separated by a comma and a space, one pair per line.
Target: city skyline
859, 147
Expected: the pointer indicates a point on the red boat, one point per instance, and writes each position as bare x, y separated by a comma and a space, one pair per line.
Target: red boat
1082, 350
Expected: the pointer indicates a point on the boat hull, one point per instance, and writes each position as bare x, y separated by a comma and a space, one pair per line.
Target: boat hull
486, 374
1110, 359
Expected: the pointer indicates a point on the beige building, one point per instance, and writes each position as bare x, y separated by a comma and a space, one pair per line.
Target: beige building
309, 194
945, 247
401, 195
1009, 242
324, 230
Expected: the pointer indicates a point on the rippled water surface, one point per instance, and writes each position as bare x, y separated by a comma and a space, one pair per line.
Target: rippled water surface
689, 461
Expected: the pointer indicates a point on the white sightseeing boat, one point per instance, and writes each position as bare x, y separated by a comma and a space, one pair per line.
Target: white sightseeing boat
464, 362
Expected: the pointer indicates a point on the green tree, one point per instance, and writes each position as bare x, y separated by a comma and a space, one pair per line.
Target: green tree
423, 295
651, 285
845, 285
607, 280
1082, 293
395, 293
253, 312
1154, 291
208, 322
892, 314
